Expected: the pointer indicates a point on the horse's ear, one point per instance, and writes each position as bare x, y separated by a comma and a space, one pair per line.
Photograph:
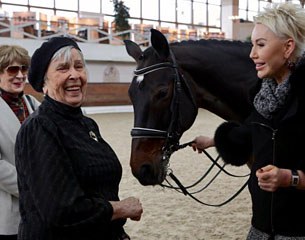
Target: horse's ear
133, 49
159, 43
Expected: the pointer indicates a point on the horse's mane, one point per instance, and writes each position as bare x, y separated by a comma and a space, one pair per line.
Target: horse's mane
229, 46
220, 44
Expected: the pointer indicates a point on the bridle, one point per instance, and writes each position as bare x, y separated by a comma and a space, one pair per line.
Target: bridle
173, 133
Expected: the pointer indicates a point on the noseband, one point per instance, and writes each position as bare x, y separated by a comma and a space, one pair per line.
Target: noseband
172, 135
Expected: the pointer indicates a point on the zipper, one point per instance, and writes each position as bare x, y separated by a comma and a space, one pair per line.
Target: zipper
274, 131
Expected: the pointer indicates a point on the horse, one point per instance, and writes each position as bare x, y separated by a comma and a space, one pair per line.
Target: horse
171, 82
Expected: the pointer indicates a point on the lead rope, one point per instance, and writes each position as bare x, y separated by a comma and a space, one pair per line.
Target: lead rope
184, 189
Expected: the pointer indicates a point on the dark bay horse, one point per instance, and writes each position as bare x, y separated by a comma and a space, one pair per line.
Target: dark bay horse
171, 82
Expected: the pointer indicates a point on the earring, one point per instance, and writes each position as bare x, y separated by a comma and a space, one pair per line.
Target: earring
290, 65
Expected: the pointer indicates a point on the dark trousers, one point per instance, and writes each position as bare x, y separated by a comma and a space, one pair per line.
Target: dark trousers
8, 237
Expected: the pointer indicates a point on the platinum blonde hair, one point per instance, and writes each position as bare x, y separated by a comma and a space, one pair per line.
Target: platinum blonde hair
286, 20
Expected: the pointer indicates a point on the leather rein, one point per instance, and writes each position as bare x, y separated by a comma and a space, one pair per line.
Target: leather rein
173, 135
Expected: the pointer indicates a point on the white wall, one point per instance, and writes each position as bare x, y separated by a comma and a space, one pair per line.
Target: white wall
99, 57
244, 30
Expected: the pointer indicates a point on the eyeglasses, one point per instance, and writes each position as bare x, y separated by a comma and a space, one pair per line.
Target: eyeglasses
14, 70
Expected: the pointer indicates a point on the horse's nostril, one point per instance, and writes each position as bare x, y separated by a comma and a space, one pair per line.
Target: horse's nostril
146, 174
146, 170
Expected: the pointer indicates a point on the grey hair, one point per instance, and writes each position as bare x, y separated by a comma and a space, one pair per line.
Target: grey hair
65, 53
286, 20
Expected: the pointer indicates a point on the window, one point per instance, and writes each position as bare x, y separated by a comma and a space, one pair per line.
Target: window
134, 7
11, 8
151, 12
186, 14
44, 3
200, 13
69, 5
184, 11
214, 15
243, 5
253, 6
94, 6
253, 9
248, 9
243, 14
107, 7
168, 10
21, 2
216, 2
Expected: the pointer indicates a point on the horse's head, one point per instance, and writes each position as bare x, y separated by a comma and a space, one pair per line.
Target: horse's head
163, 105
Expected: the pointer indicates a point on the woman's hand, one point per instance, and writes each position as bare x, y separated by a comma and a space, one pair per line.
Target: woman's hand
202, 142
270, 178
130, 207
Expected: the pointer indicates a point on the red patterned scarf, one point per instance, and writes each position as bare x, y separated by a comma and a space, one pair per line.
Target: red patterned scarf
16, 103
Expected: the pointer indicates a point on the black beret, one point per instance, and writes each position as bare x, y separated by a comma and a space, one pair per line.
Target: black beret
42, 57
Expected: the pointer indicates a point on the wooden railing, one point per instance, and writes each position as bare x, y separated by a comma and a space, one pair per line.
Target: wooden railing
98, 94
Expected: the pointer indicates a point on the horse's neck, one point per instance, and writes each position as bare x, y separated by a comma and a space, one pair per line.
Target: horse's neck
214, 104
220, 87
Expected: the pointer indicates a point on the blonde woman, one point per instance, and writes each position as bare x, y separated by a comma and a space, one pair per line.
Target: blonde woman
274, 133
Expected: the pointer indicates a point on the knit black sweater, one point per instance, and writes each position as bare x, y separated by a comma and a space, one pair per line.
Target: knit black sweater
66, 178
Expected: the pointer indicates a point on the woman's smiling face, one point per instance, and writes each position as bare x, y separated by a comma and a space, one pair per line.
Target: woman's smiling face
66, 80
270, 53
13, 82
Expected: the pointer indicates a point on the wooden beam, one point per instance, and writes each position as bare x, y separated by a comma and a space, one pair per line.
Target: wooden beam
98, 94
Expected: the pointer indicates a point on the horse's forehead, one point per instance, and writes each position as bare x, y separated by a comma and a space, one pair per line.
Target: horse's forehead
150, 56
149, 51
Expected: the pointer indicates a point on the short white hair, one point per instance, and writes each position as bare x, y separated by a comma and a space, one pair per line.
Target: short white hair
65, 53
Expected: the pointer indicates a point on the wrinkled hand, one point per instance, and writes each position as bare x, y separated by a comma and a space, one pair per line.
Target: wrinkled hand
130, 207
202, 142
270, 178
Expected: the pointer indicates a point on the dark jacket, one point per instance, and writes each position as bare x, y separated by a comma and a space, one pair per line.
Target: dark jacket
279, 142
65, 177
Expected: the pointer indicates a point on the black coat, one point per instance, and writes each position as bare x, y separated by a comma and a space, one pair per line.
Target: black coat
66, 178
279, 142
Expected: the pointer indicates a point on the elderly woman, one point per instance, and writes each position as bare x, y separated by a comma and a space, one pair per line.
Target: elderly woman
274, 133
14, 108
68, 175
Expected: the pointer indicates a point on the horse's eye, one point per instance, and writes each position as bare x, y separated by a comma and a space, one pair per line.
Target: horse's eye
162, 93
141, 57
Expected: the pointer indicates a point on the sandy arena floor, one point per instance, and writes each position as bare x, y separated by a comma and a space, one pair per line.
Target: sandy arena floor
169, 215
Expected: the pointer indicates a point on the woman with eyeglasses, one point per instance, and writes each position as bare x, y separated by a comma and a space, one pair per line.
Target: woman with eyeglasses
15, 107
